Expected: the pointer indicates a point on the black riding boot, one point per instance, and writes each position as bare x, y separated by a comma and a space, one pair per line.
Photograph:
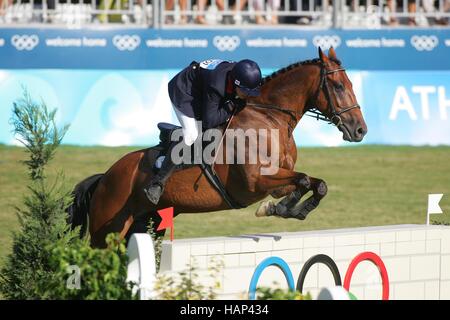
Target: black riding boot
156, 187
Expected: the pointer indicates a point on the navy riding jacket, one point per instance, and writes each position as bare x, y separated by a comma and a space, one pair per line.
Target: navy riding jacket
200, 91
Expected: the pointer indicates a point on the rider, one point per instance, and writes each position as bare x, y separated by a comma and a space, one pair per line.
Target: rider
208, 91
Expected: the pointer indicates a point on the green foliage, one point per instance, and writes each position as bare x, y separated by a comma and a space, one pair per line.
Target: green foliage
42, 224
36, 129
45, 246
185, 285
42, 219
440, 223
266, 293
81, 272
157, 243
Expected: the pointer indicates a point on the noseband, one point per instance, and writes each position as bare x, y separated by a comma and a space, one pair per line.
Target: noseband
335, 115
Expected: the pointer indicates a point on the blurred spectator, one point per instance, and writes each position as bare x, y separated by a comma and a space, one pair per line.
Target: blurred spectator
302, 5
234, 5
428, 6
3, 5
201, 7
444, 21
412, 9
111, 5
170, 6
274, 6
293, 5
392, 5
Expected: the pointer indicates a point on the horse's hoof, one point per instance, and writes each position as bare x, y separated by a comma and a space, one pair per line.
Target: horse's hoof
265, 209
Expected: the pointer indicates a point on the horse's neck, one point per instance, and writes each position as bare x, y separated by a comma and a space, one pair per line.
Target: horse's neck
291, 90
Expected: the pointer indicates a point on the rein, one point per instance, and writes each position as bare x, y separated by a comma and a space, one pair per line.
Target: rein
335, 118
291, 113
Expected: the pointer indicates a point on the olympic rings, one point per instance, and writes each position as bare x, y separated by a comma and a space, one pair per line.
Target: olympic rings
226, 43
319, 258
327, 41
25, 41
126, 42
271, 261
375, 259
424, 43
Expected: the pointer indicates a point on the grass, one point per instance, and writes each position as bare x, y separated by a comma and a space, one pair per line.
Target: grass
368, 185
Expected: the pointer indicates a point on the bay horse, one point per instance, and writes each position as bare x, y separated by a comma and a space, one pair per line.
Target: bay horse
115, 201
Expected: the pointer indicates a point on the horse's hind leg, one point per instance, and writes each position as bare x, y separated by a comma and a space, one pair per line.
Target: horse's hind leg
143, 222
140, 225
119, 224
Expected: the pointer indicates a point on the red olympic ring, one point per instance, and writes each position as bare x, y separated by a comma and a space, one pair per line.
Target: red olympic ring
376, 260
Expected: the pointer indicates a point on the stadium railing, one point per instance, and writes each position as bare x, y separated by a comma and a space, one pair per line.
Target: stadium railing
76, 13
227, 13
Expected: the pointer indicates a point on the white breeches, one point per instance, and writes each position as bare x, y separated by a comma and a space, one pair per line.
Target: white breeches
191, 127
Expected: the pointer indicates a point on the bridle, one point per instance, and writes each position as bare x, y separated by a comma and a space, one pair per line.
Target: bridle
334, 119
335, 115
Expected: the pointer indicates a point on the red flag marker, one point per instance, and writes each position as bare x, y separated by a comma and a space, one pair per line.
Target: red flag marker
167, 220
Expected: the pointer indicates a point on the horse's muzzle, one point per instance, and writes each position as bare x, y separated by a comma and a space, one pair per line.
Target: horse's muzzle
353, 133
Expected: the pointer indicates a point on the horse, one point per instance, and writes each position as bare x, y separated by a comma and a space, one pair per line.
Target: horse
115, 201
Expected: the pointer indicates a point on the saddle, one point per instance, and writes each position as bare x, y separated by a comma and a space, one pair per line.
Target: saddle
165, 138
165, 133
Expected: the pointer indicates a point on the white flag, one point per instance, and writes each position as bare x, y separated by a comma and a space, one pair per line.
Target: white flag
433, 205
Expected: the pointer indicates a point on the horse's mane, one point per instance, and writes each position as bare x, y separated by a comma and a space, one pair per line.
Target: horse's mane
293, 66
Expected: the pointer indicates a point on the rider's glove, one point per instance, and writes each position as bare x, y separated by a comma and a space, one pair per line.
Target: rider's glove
239, 103
234, 104
229, 106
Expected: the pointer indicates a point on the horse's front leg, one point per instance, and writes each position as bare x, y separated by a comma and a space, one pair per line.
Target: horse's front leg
286, 183
287, 208
320, 189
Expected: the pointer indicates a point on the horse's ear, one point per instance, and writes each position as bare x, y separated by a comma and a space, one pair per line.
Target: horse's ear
323, 57
332, 54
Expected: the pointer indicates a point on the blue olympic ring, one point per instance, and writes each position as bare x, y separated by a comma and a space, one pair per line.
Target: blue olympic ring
271, 261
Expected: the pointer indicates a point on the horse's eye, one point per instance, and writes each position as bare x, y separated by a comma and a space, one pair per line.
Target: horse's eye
339, 87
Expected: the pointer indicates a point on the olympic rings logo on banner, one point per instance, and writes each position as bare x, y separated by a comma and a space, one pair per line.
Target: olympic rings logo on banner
226, 43
324, 259
326, 42
126, 42
424, 43
25, 41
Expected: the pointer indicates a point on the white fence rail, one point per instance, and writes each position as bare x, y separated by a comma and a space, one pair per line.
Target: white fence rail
142, 265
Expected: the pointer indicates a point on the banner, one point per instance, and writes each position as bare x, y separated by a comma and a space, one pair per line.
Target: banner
407, 107
414, 49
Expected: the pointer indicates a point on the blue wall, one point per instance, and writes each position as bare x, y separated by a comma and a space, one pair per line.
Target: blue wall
111, 85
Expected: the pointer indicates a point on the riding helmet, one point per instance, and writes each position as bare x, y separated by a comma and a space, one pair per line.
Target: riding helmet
247, 76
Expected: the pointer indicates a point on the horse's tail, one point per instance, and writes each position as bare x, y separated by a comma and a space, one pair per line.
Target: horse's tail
78, 211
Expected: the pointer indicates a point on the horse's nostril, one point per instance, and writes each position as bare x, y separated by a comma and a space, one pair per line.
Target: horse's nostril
360, 132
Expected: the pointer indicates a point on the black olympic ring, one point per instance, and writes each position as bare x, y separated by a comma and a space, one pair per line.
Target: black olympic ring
319, 258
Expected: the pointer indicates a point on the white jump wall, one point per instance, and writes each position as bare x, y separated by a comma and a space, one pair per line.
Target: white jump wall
417, 258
